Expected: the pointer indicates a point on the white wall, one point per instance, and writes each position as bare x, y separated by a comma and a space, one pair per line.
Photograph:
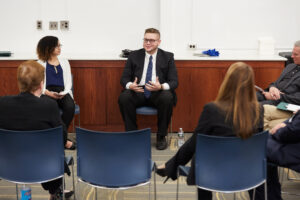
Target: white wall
95, 25
230, 24
99, 26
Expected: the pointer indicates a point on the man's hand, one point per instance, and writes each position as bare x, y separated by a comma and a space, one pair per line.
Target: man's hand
275, 129
151, 86
134, 86
275, 93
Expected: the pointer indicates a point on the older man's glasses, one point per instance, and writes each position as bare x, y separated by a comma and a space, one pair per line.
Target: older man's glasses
149, 40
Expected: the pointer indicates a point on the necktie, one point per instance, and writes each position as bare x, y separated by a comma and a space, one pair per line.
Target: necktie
147, 93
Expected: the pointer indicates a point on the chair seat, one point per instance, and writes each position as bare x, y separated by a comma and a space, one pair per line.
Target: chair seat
146, 110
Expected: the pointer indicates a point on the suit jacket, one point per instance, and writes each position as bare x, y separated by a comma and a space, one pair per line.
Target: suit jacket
284, 146
211, 122
165, 68
28, 112
292, 88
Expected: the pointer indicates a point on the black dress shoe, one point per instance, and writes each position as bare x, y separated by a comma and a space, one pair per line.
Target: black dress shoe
68, 193
161, 143
162, 172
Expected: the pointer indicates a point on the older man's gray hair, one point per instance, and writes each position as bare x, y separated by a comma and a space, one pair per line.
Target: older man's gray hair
297, 43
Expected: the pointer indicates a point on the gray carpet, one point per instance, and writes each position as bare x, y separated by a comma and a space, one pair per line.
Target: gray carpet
164, 191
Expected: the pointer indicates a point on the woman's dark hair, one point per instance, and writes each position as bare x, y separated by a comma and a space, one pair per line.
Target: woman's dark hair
46, 47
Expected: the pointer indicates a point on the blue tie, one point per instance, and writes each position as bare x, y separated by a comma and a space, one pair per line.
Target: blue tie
147, 93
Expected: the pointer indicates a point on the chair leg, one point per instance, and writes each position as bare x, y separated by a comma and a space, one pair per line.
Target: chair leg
177, 188
17, 191
79, 119
73, 182
96, 194
149, 196
154, 184
63, 188
266, 190
253, 197
234, 196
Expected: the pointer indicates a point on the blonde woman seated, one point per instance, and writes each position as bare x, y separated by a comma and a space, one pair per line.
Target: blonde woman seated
235, 112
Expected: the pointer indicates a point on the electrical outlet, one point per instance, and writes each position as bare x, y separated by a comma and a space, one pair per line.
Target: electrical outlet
64, 25
192, 46
39, 25
53, 25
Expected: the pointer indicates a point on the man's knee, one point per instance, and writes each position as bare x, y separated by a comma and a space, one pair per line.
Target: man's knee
125, 97
166, 97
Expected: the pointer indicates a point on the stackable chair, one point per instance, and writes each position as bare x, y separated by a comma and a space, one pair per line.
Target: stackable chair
229, 164
114, 160
29, 157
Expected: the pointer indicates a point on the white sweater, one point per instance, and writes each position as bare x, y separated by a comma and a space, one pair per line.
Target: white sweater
65, 65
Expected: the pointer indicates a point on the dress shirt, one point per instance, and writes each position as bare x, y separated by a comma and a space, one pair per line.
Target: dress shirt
165, 86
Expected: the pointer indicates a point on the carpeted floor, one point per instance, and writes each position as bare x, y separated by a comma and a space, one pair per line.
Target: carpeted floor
165, 191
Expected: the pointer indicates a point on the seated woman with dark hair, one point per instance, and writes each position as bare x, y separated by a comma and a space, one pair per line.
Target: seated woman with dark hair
58, 79
235, 112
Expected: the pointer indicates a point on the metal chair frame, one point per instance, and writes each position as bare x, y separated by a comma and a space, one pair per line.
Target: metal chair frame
107, 144
36, 153
212, 150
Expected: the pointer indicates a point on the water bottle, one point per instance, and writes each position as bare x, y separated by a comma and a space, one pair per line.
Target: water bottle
26, 192
180, 137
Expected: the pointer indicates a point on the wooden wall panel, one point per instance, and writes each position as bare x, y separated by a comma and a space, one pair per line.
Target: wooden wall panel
97, 88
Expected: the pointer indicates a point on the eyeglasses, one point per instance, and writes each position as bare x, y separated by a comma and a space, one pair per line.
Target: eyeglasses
59, 45
149, 40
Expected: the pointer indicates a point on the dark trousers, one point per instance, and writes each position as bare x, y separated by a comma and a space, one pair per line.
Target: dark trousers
162, 100
273, 186
66, 104
52, 186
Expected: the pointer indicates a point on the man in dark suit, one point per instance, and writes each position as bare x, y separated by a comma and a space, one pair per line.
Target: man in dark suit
283, 149
149, 79
31, 111
287, 87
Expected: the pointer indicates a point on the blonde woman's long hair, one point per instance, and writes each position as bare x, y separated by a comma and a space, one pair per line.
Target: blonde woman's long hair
237, 98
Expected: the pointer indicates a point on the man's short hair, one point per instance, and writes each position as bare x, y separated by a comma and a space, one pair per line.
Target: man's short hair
297, 43
30, 74
152, 30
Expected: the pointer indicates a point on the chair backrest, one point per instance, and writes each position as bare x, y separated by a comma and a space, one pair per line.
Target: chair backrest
31, 156
119, 159
230, 164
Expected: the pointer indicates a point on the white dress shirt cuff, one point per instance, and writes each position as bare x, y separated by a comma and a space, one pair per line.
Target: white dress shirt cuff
165, 86
128, 85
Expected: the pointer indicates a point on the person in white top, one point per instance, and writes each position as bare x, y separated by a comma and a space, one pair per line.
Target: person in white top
58, 79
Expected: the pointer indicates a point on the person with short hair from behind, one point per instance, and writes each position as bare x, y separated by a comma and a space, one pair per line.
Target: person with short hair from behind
285, 89
30, 110
235, 112
149, 79
58, 79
